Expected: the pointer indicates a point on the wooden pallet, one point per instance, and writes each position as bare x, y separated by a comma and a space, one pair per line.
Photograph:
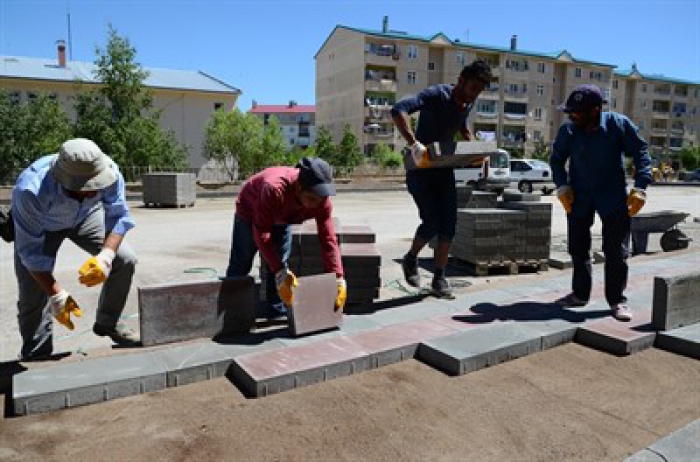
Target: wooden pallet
501, 267
167, 206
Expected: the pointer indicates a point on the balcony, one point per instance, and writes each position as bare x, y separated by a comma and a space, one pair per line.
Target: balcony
378, 113
486, 115
660, 114
382, 85
658, 130
385, 55
515, 117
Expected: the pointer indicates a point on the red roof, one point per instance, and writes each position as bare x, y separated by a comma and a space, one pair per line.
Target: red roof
283, 109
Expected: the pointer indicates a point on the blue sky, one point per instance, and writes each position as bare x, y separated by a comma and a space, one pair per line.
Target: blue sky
266, 47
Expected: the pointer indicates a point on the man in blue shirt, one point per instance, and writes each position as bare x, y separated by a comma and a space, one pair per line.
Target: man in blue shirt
443, 113
595, 143
77, 194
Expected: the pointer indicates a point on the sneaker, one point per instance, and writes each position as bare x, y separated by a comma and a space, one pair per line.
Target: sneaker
119, 334
441, 288
621, 312
410, 272
571, 301
276, 311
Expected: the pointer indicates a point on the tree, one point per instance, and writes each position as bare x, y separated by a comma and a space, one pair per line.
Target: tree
386, 157
541, 150
29, 131
325, 149
274, 149
349, 152
690, 158
234, 140
120, 116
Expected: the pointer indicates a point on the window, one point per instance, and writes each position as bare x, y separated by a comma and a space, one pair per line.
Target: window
411, 78
31, 96
540, 90
641, 125
596, 75
513, 88
615, 84
644, 104
524, 88
541, 68
613, 103
538, 113
515, 108
537, 135
431, 66
577, 72
606, 95
459, 57
15, 97
218, 106
644, 88
412, 52
486, 106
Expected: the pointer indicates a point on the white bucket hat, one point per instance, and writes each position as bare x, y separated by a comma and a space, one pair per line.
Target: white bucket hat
82, 166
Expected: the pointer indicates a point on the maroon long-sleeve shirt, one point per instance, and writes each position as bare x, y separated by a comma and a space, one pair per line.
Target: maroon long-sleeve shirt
269, 198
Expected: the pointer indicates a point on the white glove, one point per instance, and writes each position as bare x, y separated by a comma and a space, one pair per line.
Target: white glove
417, 150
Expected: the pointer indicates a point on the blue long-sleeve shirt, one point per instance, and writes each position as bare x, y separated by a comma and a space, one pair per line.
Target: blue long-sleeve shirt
41, 205
440, 117
596, 170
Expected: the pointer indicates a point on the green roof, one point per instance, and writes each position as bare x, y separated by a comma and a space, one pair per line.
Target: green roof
658, 77
427, 39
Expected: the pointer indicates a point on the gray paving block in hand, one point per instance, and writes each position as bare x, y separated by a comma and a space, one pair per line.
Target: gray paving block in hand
684, 341
313, 309
676, 301
475, 349
86, 382
682, 445
183, 311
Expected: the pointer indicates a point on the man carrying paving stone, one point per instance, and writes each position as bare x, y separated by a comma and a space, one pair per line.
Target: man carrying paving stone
266, 206
443, 113
594, 144
78, 194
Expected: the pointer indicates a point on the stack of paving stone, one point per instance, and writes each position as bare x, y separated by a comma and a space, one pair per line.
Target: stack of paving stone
169, 189
359, 253
470, 199
511, 236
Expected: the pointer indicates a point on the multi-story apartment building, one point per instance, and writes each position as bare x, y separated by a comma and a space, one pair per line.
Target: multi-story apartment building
667, 111
361, 73
186, 98
297, 121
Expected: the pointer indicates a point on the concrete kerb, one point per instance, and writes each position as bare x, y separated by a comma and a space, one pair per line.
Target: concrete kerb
681, 445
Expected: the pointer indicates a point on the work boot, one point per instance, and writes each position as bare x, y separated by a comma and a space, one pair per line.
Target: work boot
120, 334
276, 311
410, 271
621, 312
441, 288
571, 301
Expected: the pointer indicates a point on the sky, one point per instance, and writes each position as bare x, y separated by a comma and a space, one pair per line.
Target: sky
266, 48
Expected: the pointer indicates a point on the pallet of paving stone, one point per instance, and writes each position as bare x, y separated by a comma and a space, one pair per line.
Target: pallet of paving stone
169, 189
507, 267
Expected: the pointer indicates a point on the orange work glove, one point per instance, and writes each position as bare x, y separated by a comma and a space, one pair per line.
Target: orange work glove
62, 306
286, 281
635, 201
566, 197
96, 269
342, 295
420, 154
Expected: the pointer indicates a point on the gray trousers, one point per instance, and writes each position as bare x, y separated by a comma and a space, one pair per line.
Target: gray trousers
34, 312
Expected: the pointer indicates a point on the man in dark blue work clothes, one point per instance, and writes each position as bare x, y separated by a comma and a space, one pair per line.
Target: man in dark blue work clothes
443, 113
594, 143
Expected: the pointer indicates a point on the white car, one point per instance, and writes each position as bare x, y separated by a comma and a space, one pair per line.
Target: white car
530, 175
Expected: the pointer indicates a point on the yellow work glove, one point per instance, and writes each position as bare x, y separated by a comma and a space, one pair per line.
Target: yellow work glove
62, 305
635, 201
342, 295
566, 197
286, 281
96, 269
419, 153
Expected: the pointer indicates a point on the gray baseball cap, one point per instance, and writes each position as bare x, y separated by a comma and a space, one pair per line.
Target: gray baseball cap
82, 166
316, 175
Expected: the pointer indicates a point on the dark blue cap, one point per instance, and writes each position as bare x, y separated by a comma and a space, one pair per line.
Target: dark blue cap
582, 98
316, 175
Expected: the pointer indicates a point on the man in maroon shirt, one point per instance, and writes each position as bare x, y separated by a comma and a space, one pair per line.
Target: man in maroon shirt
267, 205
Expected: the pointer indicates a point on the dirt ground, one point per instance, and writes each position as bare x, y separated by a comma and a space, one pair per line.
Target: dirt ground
569, 403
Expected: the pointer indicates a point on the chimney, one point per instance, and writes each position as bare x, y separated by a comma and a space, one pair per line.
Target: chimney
255, 104
61, 52
292, 103
385, 24
514, 42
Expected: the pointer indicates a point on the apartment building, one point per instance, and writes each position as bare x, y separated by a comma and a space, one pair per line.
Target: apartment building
361, 73
666, 110
297, 121
186, 98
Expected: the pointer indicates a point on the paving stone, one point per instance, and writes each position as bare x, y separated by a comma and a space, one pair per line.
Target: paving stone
684, 340
676, 301
357, 234
265, 373
313, 309
620, 338
183, 311
477, 348
86, 382
423, 309
682, 445
364, 255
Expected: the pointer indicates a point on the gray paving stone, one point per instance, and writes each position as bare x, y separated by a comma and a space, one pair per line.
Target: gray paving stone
676, 301
184, 311
684, 341
423, 309
475, 349
313, 308
680, 446
86, 382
